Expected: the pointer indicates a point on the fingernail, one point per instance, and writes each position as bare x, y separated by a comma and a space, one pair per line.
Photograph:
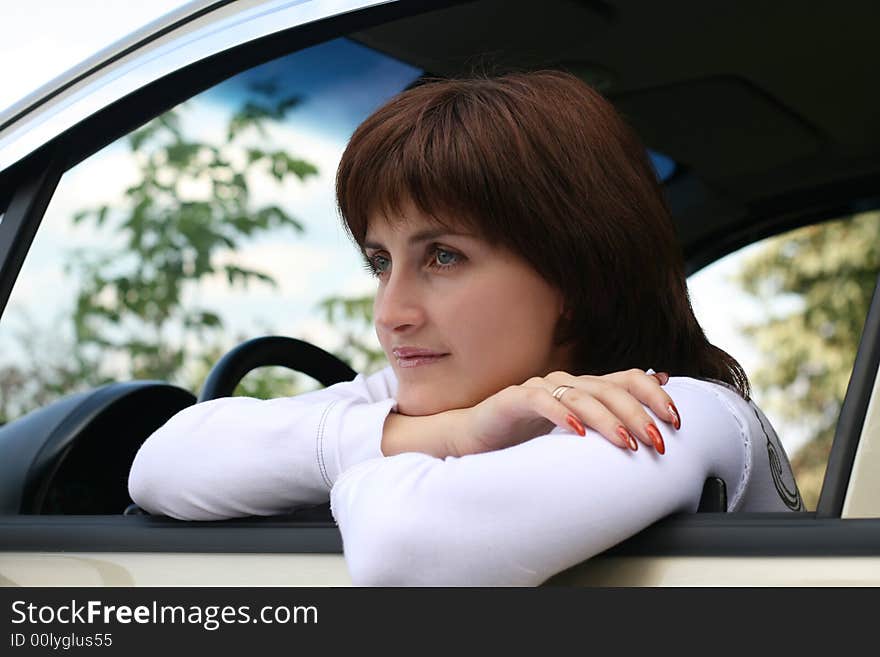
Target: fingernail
627, 438
662, 378
676, 419
576, 425
656, 438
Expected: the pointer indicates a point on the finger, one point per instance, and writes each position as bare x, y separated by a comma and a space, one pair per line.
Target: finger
645, 390
623, 395
660, 377
631, 412
541, 402
591, 413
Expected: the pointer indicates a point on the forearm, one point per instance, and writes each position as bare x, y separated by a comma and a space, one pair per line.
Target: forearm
239, 456
437, 435
509, 517
518, 515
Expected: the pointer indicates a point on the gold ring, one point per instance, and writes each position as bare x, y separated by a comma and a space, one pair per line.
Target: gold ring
560, 390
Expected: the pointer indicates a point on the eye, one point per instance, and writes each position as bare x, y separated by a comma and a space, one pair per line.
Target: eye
376, 265
444, 258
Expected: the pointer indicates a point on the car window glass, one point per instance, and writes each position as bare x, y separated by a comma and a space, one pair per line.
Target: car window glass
791, 309
212, 224
664, 166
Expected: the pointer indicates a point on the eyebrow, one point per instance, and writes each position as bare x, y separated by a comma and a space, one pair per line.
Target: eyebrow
422, 236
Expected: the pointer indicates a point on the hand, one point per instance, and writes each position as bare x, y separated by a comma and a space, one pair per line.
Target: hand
611, 404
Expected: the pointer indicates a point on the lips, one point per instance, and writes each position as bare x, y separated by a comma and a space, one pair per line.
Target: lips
415, 357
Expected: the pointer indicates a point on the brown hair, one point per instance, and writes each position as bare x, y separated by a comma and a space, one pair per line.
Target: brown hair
541, 164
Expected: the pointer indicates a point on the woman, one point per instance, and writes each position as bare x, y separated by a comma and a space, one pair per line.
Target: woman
528, 273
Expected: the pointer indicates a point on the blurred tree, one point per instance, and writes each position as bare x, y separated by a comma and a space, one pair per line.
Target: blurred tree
824, 275
191, 203
353, 316
52, 369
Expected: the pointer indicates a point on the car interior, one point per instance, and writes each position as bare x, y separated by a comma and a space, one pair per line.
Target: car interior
769, 128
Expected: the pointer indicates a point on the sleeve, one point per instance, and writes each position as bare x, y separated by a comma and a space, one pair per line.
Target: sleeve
517, 516
240, 456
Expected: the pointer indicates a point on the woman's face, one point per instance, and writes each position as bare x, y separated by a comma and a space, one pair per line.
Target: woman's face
488, 313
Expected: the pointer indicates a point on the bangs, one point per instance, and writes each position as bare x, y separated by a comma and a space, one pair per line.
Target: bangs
427, 149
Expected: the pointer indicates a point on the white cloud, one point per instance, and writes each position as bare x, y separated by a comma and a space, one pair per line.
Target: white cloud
292, 265
357, 285
37, 284
318, 332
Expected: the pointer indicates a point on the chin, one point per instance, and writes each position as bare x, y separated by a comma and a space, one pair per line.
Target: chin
418, 408
423, 403
430, 401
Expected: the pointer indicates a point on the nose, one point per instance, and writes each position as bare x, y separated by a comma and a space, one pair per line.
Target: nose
399, 303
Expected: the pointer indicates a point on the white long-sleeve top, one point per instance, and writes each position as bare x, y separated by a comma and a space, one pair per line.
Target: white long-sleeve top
510, 517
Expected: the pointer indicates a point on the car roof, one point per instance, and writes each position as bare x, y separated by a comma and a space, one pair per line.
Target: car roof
139, 38
182, 38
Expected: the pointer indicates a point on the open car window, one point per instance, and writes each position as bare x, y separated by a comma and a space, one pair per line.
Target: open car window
213, 223
791, 308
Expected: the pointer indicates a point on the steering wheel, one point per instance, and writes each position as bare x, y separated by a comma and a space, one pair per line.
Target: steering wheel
277, 350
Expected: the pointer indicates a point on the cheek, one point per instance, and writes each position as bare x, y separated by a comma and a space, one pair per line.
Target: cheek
487, 315
493, 318
379, 334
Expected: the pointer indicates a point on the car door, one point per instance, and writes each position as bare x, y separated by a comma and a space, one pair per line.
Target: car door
839, 543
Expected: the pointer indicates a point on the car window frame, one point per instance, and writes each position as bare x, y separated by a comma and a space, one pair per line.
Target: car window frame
848, 433
31, 184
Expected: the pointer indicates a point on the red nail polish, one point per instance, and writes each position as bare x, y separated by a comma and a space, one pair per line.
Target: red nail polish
576, 425
656, 438
676, 418
627, 438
